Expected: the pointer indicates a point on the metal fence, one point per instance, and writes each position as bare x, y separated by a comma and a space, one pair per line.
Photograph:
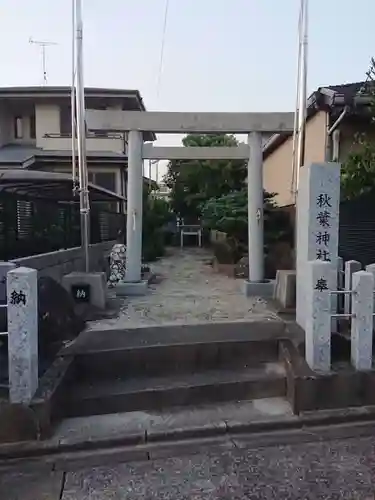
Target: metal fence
328, 302
357, 229
30, 227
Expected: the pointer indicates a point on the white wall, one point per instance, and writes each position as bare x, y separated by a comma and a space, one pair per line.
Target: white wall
47, 121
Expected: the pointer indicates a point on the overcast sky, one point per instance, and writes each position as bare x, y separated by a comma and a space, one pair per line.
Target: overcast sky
220, 55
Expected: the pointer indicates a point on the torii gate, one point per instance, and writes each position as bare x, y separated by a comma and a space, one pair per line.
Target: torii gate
134, 123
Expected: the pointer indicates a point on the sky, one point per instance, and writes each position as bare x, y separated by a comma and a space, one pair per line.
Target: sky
220, 55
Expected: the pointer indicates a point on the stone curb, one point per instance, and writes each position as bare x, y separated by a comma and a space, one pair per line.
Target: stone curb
314, 420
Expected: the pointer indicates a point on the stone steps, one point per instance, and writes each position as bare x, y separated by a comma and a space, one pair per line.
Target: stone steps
159, 360
175, 390
136, 427
162, 368
158, 351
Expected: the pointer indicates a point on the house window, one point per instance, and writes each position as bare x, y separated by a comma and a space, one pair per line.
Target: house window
65, 120
32, 127
18, 127
106, 180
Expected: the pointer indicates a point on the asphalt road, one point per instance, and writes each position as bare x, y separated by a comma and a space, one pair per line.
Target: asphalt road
338, 469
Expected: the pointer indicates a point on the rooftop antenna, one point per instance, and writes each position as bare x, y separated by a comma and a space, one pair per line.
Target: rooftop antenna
42, 45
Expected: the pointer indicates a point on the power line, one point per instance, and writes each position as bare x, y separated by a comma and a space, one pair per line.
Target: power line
160, 73
161, 61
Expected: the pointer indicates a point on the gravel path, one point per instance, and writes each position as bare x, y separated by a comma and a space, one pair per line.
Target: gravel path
188, 291
316, 471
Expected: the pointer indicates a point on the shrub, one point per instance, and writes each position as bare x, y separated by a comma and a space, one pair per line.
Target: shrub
229, 214
156, 215
228, 251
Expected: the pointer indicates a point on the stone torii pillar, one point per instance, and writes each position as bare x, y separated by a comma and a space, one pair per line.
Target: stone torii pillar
256, 284
255, 208
134, 208
133, 284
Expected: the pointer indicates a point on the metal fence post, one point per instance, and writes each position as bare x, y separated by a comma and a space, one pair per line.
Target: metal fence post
351, 266
362, 320
22, 294
337, 300
320, 280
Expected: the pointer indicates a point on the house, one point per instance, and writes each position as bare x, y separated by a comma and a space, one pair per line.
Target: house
335, 114
36, 132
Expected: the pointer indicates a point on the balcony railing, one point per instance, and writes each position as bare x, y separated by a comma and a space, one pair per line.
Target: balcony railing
109, 142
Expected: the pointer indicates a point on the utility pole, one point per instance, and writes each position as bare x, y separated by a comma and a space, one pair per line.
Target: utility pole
43, 45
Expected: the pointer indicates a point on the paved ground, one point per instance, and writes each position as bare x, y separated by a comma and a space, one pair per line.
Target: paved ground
216, 417
325, 470
188, 291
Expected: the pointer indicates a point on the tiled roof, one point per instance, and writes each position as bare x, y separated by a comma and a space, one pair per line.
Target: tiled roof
21, 156
16, 155
347, 90
351, 89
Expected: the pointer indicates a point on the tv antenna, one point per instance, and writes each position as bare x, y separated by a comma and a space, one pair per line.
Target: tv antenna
42, 45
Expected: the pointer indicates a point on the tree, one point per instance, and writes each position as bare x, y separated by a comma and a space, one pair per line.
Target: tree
358, 171
193, 182
156, 214
229, 213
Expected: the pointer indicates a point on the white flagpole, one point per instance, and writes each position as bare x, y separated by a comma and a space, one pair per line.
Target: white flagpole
303, 94
81, 139
296, 111
73, 102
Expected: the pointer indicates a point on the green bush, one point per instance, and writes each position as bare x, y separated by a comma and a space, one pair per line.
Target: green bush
154, 246
228, 251
229, 213
156, 215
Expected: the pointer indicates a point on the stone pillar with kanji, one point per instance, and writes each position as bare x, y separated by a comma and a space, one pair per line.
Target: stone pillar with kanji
22, 292
319, 278
317, 225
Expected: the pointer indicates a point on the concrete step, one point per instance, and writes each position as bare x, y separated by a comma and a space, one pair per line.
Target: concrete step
185, 389
157, 351
158, 360
136, 427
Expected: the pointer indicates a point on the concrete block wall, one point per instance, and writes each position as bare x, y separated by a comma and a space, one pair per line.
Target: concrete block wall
57, 264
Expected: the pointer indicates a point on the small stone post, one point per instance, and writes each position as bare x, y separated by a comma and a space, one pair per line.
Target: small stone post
371, 269
362, 320
351, 267
320, 279
22, 292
